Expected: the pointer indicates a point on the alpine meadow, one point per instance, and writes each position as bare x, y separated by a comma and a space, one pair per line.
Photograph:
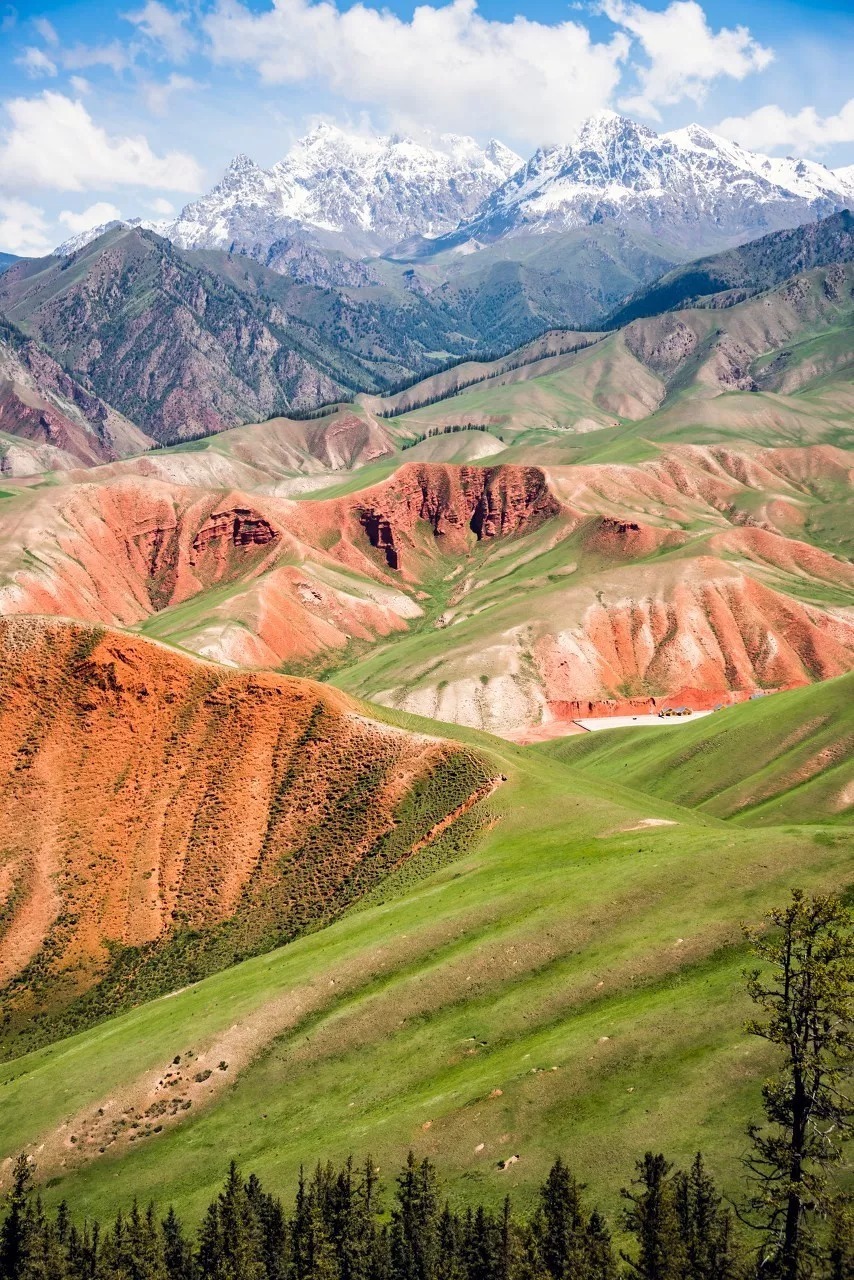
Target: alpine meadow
426, 641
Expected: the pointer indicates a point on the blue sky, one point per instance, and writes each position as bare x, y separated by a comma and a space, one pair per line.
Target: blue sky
133, 108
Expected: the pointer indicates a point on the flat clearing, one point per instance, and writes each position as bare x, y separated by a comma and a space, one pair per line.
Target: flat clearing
594, 723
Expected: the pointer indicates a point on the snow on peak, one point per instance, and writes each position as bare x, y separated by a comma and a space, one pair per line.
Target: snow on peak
385, 188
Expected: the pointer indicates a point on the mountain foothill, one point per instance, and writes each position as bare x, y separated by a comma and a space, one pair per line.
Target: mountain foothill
331, 511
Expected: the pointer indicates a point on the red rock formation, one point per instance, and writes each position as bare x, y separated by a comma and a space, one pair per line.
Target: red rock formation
456, 502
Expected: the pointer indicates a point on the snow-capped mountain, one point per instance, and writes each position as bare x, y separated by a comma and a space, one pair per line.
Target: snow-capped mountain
344, 192
374, 191
690, 185
82, 238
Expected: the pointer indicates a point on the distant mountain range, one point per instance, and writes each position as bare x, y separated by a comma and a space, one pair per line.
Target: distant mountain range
367, 196
187, 343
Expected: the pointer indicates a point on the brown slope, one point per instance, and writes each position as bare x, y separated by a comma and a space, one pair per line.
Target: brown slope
143, 793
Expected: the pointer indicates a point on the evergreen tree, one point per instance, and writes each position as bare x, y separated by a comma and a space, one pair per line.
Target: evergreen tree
840, 1253
241, 1255
177, 1251
704, 1224
600, 1263
559, 1226
415, 1219
16, 1231
807, 1002
652, 1218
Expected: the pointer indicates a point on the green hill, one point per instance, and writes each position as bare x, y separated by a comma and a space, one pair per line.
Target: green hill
572, 983
786, 758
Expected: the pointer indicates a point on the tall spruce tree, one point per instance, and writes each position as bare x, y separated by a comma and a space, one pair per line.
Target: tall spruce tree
559, 1226
652, 1218
177, 1250
17, 1230
600, 1262
705, 1224
415, 1221
805, 990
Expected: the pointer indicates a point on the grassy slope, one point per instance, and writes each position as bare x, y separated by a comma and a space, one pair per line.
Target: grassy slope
783, 759
563, 926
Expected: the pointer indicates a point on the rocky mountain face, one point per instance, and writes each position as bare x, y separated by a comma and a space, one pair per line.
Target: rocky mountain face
690, 187
364, 192
188, 343
56, 422
178, 347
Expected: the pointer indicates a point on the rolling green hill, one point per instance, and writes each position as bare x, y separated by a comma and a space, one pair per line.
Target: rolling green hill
777, 760
571, 983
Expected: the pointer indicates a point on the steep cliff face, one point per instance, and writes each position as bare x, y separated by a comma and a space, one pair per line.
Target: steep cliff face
144, 793
459, 504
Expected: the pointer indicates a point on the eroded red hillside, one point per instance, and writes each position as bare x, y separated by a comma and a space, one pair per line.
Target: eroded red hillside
144, 792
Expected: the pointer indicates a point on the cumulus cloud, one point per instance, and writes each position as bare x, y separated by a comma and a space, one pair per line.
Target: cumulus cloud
446, 67
95, 216
36, 62
164, 27
23, 229
52, 142
685, 54
773, 129
80, 85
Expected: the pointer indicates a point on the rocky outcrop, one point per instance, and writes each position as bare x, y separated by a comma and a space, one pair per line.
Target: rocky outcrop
456, 503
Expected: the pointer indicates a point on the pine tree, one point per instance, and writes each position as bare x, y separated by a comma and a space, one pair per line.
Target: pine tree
274, 1229
240, 1236
808, 1003
415, 1218
16, 1231
600, 1263
653, 1220
560, 1224
177, 1252
704, 1224
840, 1252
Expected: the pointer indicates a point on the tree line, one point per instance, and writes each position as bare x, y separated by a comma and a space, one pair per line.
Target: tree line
795, 1223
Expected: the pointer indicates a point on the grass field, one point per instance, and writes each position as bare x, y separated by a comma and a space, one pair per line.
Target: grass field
787, 758
584, 964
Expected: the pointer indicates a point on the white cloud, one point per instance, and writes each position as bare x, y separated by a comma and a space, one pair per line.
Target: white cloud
164, 27
36, 62
684, 54
53, 142
158, 94
773, 129
164, 207
23, 229
80, 85
46, 30
113, 55
95, 216
445, 68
